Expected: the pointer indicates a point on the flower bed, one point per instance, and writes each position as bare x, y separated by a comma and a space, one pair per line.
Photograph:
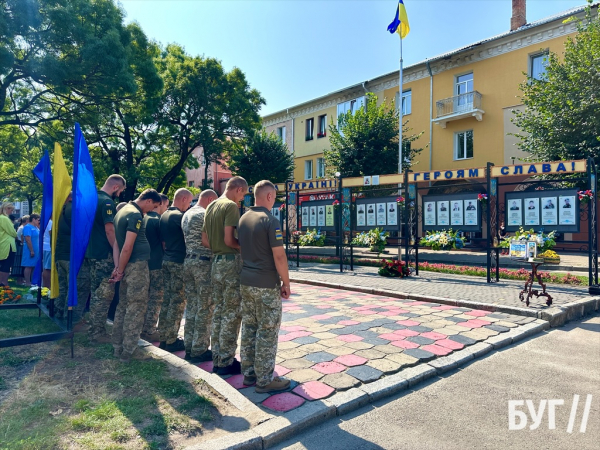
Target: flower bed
507, 274
7, 294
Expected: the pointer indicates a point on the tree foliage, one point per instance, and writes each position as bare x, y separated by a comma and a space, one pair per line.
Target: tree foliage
366, 142
561, 119
57, 54
262, 156
202, 106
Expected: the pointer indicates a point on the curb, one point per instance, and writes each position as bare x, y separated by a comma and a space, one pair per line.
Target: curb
557, 316
277, 429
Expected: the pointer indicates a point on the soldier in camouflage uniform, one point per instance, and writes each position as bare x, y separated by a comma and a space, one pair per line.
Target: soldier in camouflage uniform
174, 300
265, 267
156, 289
102, 256
198, 292
220, 223
133, 274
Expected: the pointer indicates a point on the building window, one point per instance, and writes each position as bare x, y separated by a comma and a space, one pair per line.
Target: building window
308, 169
537, 66
281, 133
350, 105
320, 167
310, 129
406, 102
463, 145
190, 183
322, 126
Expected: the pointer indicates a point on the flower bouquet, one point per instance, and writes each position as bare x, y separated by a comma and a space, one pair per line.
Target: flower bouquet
442, 240
585, 196
400, 201
544, 241
375, 239
314, 238
336, 204
550, 257
483, 198
282, 207
391, 268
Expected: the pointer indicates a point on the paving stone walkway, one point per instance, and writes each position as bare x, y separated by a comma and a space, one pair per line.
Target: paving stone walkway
457, 287
332, 340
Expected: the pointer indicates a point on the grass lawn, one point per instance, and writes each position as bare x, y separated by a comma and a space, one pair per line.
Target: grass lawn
49, 400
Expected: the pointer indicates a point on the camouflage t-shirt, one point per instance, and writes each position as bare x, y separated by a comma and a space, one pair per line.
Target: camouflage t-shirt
191, 224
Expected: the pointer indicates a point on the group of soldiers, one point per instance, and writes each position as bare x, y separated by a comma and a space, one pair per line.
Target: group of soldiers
222, 271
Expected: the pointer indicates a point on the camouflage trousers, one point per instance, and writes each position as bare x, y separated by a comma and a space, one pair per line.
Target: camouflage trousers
174, 301
83, 290
102, 294
155, 298
225, 277
131, 311
261, 318
200, 306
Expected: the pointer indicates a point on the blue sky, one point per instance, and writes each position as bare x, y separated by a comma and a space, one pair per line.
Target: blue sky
296, 50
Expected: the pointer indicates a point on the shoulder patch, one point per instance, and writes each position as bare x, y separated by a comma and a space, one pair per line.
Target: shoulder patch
278, 234
138, 224
109, 212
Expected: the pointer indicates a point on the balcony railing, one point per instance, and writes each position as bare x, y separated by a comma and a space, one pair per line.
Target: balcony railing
459, 107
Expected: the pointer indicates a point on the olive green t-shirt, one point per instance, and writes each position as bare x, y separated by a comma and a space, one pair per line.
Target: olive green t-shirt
152, 226
63, 237
172, 235
99, 247
131, 218
258, 233
220, 214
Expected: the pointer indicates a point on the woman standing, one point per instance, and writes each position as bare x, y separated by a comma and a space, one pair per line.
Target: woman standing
31, 250
7, 242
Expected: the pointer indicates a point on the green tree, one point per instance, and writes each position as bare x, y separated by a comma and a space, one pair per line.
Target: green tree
17, 181
58, 54
561, 119
262, 156
366, 142
202, 106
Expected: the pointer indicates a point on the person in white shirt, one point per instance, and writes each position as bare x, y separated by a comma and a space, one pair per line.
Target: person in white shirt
24, 221
47, 261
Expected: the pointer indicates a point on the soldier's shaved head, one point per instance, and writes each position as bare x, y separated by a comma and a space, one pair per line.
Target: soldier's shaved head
182, 199
207, 197
263, 188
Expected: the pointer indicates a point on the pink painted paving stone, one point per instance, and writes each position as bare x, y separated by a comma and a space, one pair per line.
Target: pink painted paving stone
478, 322
237, 381
350, 360
433, 335
406, 333
437, 349
329, 367
207, 366
280, 371
449, 343
283, 402
477, 313
313, 390
408, 323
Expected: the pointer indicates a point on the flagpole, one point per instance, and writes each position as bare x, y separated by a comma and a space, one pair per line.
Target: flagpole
401, 114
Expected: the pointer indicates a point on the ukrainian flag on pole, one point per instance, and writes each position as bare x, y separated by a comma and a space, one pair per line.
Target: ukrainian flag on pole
400, 24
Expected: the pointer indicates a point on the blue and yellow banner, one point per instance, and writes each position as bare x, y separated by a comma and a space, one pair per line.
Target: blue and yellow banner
400, 23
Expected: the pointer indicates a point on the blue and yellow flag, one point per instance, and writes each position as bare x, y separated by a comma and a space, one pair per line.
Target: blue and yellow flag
83, 210
43, 172
400, 24
62, 187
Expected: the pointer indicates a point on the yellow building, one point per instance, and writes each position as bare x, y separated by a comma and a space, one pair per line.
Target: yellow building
462, 100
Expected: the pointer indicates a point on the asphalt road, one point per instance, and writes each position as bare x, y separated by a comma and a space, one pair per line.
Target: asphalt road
469, 408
